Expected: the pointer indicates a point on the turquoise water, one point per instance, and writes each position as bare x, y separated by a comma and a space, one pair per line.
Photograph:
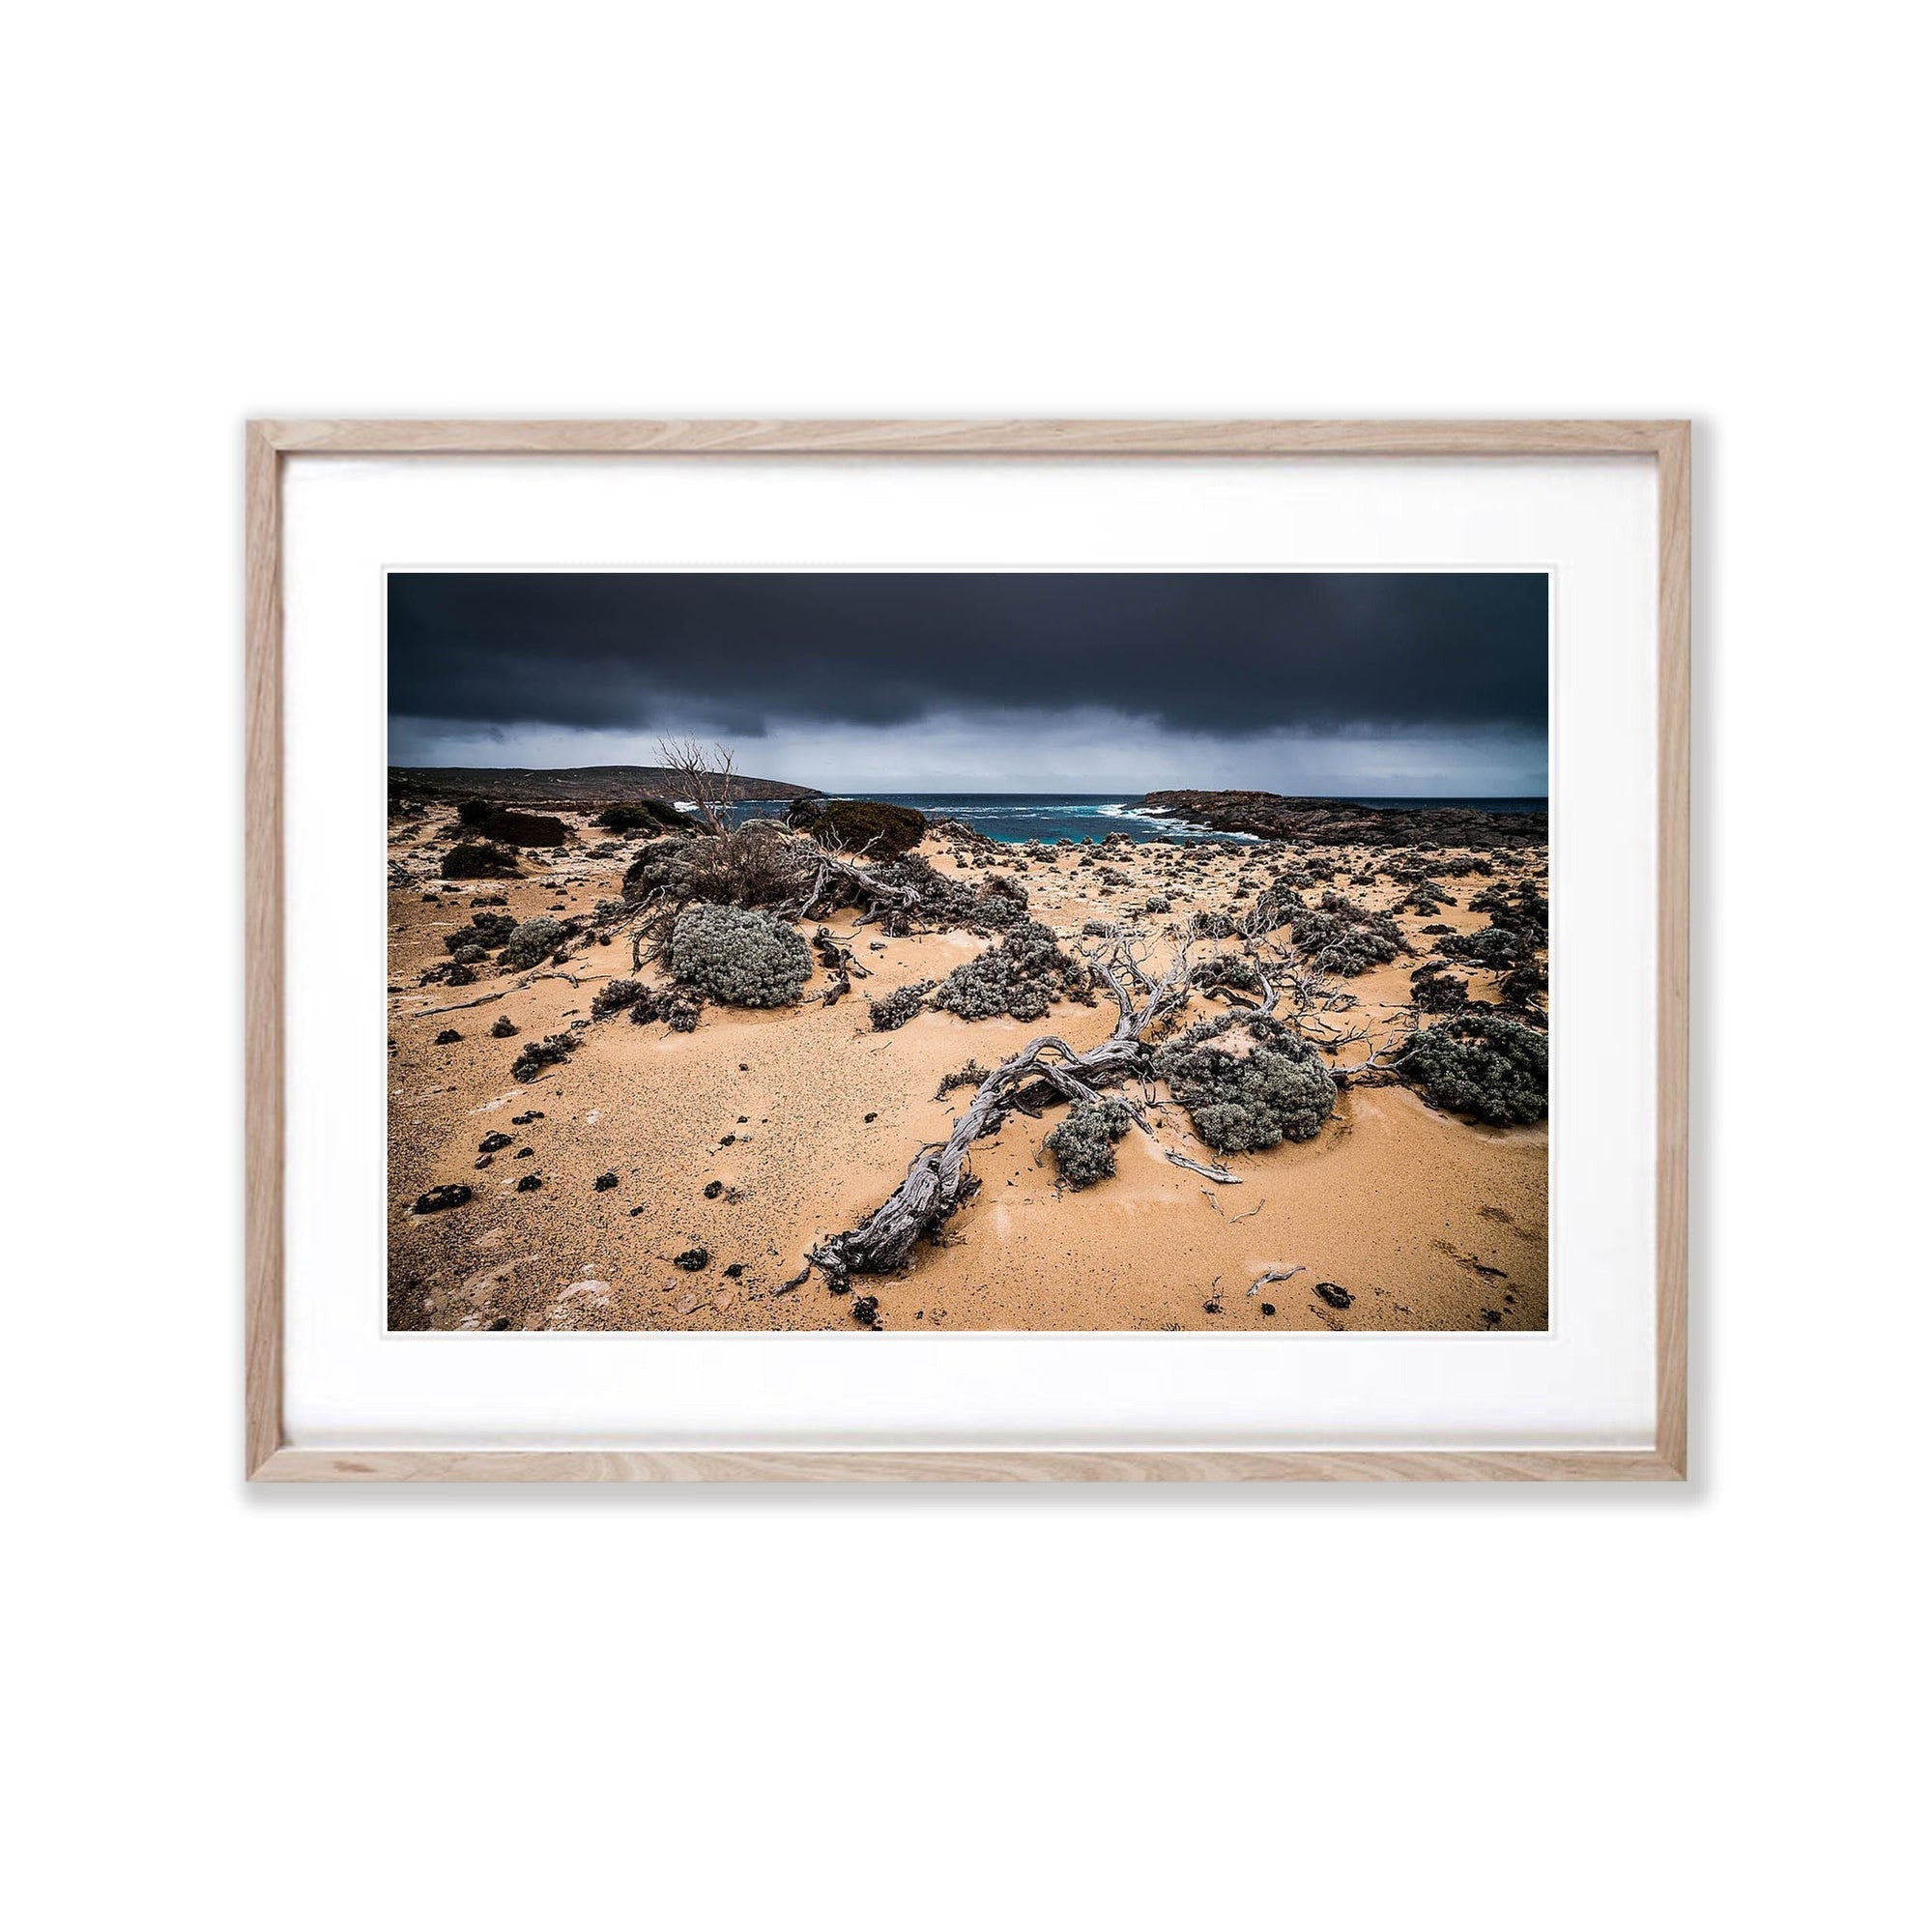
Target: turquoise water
1015, 817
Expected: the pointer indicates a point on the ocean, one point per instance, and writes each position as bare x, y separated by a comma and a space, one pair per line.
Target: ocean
1015, 817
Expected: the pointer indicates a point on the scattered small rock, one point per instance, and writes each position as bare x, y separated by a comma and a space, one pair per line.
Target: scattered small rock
692, 1259
713, 1189
529, 1184
604, 1183
490, 1143
448, 1037
451, 1194
865, 1310
1334, 1294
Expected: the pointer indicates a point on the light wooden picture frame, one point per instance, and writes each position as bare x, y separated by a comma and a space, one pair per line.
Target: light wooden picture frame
271, 1457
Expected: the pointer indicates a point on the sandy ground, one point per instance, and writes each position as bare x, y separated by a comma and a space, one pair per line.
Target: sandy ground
806, 1118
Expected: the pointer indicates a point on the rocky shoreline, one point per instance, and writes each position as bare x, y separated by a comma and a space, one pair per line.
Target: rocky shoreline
1329, 821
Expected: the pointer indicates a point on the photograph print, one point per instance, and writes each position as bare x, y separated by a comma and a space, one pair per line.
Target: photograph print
916, 952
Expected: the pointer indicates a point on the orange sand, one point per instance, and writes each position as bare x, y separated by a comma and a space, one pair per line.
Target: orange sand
1430, 1222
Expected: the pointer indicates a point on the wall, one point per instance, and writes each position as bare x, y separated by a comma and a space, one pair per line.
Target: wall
1382, 1709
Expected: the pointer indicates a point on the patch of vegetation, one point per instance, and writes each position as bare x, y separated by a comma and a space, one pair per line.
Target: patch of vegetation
1483, 1064
1524, 988
1020, 975
549, 1052
511, 828
532, 943
675, 1005
1517, 908
1433, 990
970, 1075
479, 860
614, 997
1495, 947
892, 1012
1344, 937
485, 929
1277, 1090
740, 956
859, 826
1231, 969
645, 815
1082, 1144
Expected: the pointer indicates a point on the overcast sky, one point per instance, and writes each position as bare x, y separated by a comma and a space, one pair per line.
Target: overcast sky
1302, 683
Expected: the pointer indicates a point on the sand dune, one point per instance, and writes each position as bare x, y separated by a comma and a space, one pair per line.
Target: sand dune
760, 1131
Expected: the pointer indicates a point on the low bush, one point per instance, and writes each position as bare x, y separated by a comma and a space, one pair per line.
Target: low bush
1517, 908
677, 1006
1082, 1144
532, 943
1343, 937
1481, 1064
859, 826
614, 997
645, 815
1432, 990
739, 956
1277, 1090
1495, 947
510, 827
550, 1051
1231, 969
1020, 975
892, 1012
477, 859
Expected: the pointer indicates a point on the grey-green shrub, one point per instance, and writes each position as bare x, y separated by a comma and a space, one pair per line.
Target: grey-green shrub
740, 956
1082, 1144
614, 997
532, 943
1020, 975
892, 1012
1240, 1102
1481, 1064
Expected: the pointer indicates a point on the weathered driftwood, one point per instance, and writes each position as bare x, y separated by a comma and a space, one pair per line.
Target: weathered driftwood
937, 1180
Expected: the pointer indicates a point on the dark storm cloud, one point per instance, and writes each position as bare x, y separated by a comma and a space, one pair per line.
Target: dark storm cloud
1204, 653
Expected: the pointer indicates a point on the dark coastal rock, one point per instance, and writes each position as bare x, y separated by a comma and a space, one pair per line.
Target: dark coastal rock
447, 1038
451, 1194
529, 1184
491, 1143
692, 1259
1324, 821
1334, 1294
604, 1183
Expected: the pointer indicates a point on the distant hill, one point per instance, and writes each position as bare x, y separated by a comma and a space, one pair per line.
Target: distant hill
1334, 821
569, 785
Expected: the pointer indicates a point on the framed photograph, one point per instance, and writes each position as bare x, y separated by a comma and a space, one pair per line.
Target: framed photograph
968, 951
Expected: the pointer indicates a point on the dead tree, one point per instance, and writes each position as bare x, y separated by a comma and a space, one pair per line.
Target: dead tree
937, 1180
712, 786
